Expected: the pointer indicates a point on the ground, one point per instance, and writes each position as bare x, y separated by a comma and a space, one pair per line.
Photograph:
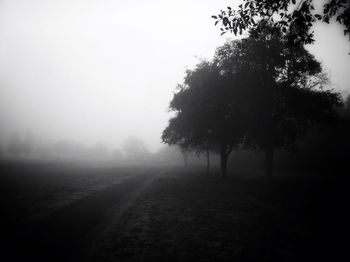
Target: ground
198, 217
74, 213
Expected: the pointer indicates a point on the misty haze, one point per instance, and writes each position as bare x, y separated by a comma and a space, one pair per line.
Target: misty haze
174, 130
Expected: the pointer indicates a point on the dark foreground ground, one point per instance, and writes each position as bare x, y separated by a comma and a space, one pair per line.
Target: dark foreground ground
56, 212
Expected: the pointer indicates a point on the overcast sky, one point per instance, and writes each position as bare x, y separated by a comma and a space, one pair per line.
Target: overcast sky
99, 71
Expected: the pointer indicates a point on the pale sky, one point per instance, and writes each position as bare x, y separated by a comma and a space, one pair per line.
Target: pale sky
100, 71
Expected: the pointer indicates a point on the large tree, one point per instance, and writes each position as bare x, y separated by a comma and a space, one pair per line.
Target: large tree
294, 17
257, 92
207, 113
282, 89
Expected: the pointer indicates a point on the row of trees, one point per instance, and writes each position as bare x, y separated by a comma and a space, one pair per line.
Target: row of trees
259, 92
132, 149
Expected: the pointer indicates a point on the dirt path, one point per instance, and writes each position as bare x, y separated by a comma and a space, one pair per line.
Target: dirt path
69, 233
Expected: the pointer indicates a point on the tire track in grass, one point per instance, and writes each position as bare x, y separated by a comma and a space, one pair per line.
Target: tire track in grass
69, 233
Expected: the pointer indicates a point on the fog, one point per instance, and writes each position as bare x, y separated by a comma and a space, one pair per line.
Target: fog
95, 73
255, 160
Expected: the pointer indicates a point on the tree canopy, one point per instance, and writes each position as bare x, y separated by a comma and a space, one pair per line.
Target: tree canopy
282, 87
257, 92
293, 17
207, 114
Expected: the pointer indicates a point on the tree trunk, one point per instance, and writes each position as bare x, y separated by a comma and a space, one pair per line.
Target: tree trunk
208, 161
223, 161
185, 158
223, 165
269, 165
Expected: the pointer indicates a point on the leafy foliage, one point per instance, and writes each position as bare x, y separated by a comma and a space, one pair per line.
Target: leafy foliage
283, 87
293, 18
205, 111
257, 92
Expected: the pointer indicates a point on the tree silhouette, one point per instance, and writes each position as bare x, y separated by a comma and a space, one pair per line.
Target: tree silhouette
205, 114
293, 17
281, 88
258, 92
179, 132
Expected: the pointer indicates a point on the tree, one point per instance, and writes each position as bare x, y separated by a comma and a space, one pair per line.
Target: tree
188, 134
258, 92
178, 132
135, 149
281, 88
293, 17
205, 115
347, 104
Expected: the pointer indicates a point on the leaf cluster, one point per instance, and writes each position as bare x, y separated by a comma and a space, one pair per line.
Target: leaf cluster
293, 18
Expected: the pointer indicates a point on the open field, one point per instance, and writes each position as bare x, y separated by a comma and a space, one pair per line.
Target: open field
34, 193
60, 212
198, 217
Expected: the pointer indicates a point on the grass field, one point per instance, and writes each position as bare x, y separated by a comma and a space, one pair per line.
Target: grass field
166, 214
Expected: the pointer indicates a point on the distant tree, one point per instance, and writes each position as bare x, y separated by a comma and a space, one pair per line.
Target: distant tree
347, 105
17, 145
293, 17
207, 148
117, 154
185, 154
344, 111
99, 150
135, 149
169, 155
71, 149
